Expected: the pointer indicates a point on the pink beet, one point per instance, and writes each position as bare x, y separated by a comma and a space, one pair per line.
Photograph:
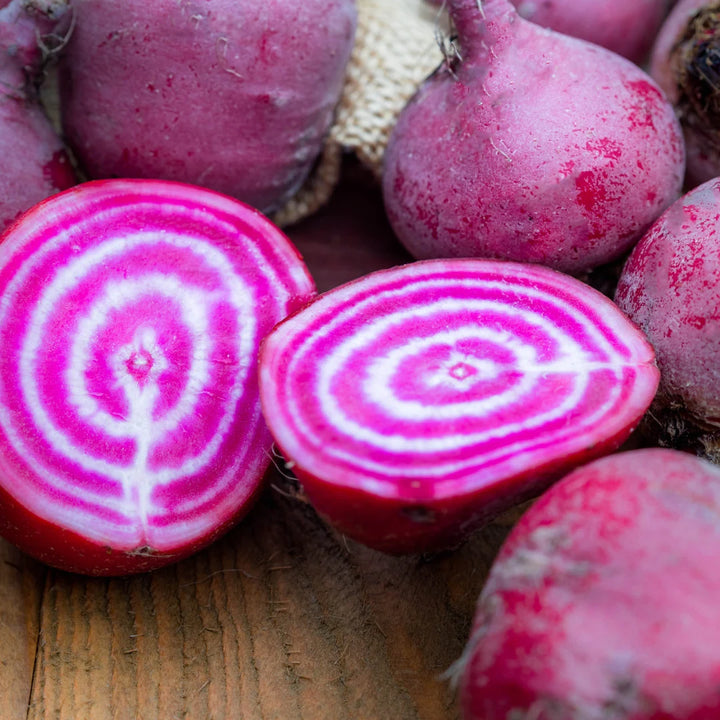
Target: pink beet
531, 146
627, 28
34, 162
234, 96
603, 601
416, 403
670, 287
130, 425
684, 63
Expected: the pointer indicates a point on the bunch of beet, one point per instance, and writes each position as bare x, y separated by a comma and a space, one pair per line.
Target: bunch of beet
160, 334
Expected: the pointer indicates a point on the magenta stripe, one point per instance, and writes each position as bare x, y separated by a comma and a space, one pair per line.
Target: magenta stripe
534, 363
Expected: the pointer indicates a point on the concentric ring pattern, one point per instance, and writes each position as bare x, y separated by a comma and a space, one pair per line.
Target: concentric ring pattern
412, 381
130, 318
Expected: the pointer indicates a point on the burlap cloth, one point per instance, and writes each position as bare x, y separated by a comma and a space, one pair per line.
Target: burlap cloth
396, 47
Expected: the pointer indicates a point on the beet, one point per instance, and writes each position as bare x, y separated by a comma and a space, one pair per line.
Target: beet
627, 28
602, 602
34, 162
685, 62
234, 96
130, 424
416, 403
530, 146
670, 287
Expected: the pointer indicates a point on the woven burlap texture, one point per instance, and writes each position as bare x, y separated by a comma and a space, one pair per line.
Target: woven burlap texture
396, 48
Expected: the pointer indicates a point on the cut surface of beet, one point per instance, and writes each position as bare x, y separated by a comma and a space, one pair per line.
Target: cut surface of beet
130, 319
416, 402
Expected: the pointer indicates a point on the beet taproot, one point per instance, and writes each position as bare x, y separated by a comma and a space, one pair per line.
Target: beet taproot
233, 96
530, 146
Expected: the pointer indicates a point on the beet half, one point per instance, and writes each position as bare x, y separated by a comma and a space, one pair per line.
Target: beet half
602, 603
530, 146
130, 424
418, 402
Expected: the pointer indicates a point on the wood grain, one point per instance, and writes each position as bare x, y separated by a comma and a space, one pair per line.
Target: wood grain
281, 619
21, 587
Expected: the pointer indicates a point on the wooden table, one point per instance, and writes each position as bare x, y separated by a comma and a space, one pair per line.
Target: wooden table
281, 619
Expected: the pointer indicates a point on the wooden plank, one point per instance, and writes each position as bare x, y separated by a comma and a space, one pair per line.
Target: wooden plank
280, 619
21, 584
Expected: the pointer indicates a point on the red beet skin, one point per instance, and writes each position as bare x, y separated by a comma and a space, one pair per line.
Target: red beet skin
627, 28
236, 96
33, 162
670, 287
603, 601
416, 403
130, 424
531, 146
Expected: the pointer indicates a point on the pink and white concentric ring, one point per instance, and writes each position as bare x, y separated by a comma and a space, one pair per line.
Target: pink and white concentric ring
443, 376
130, 317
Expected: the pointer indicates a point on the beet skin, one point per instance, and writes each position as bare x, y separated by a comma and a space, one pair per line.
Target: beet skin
34, 162
603, 602
233, 96
670, 287
530, 146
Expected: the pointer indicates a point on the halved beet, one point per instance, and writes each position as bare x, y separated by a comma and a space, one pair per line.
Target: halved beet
416, 403
130, 317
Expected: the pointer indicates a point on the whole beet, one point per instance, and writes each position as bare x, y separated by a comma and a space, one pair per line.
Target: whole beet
233, 95
684, 62
670, 287
627, 28
32, 158
602, 604
530, 146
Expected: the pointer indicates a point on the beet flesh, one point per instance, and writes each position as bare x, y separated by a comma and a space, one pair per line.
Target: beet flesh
530, 146
130, 426
417, 403
602, 602
234, 96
